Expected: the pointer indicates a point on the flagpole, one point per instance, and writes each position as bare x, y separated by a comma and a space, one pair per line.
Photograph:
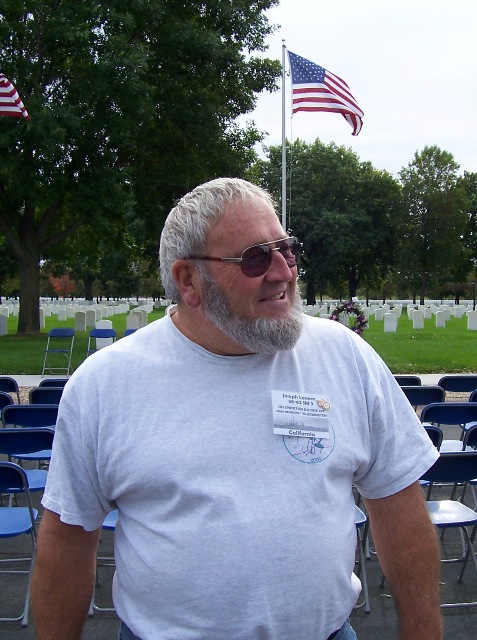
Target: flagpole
284, 154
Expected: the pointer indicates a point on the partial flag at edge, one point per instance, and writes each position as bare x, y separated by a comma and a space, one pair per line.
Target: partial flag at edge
317, 89
10, 102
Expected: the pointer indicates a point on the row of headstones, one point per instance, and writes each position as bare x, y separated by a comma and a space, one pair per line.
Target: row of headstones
90, 318
418, 316
390, 316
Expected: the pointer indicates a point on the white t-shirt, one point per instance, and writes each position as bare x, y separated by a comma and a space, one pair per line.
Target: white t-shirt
226, 529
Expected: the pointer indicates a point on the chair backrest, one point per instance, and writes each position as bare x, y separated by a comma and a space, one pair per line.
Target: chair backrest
5, 399
450, 413
12, 476
14, 479
129, 331
30, 415
408, 381
470, 437
420, 396
53, 382
102, 333
63, 332
102, 337
467, 382
21, 441
435, 434
456, 466
45, 395
9, 385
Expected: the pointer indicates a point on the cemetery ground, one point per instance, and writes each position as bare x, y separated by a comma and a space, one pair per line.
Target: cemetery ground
23, 355
449, 349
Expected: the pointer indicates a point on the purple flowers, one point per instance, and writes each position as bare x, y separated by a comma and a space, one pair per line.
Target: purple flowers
360, 322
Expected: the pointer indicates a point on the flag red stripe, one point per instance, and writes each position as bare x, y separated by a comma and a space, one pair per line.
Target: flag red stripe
10, 102
316, 89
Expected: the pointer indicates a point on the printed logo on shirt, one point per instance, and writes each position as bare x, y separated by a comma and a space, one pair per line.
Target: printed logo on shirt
310, 450
303, 422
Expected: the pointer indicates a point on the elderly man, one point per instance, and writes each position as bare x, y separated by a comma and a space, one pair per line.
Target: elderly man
229, 435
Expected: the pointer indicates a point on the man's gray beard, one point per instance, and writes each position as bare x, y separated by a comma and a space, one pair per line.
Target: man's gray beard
259, 335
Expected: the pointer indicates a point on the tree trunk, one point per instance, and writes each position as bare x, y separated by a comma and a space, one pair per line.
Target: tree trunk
88, 282
310, 291
353, 280
423, 288
29, 313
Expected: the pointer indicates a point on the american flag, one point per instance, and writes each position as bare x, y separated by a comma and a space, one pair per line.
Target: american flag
10, 102
316, 89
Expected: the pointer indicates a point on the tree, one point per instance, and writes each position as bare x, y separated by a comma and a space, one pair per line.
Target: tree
131, 104
62, 285
431, 229
468, 182
341, 209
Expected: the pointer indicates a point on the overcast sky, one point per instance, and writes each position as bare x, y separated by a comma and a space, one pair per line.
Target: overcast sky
411, 65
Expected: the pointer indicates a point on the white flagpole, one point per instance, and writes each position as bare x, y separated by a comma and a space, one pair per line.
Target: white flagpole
284, 151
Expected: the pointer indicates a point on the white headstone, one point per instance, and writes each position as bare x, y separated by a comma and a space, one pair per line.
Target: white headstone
90, 318
472, 320
80, 321
133, 321
390, 322
62, 314
3, 325
441, 317
418, 319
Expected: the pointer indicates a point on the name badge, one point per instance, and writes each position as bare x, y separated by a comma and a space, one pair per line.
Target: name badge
299, 414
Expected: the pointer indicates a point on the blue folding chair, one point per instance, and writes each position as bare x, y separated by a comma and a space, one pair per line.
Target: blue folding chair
442, 414
361, 523
15, 521
109, 524
19, 444
420, 396
31, 416
108, 335
10, 385
453, 468
459, 383
45, 395
128, 332
408, 381
53, 382
5, 400
59, 344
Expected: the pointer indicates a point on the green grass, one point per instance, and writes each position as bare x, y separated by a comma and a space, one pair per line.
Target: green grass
24, 355
452, 349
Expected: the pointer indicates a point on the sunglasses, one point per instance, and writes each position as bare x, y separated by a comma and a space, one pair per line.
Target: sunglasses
256, 260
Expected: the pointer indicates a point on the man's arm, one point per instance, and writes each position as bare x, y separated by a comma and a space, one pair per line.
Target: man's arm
408, 552
63, 578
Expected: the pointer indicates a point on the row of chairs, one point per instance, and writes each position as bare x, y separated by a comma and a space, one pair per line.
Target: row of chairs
9, 385
60, 343
458, 383
27, 435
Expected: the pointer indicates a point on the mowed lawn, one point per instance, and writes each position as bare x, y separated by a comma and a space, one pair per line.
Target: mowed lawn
451, 349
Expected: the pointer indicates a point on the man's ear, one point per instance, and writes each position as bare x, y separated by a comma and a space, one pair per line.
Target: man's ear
187, 282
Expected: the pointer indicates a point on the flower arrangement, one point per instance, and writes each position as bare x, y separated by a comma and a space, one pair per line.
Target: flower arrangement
350, 308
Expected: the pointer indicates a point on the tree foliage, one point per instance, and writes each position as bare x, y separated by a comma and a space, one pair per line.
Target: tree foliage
434, 221
131, 104
341, 209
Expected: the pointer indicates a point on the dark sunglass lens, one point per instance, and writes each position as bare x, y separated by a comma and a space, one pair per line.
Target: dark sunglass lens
255, 261
290, 250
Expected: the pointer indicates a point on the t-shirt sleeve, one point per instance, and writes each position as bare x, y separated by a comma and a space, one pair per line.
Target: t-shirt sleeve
400, 449
73, 488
